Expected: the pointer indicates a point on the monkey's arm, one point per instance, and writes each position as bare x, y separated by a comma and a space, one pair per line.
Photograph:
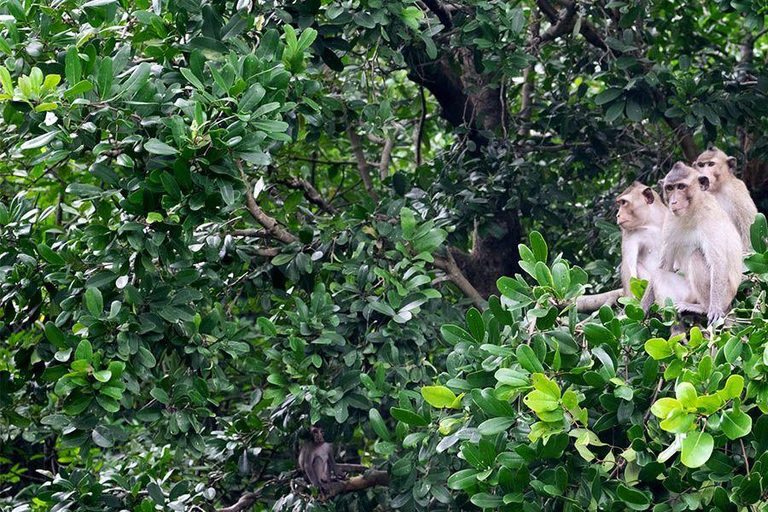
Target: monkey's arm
718, 282
332, 469
630, 250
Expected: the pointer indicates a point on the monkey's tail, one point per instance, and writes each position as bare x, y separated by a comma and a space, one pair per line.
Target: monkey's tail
590, 303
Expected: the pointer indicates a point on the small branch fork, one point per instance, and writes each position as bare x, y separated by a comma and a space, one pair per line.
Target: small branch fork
273, 229
454, 273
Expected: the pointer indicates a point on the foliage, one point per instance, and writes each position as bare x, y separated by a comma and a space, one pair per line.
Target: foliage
221, 222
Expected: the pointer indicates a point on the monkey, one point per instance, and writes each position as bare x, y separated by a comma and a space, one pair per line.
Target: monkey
641, 218
699, 236
316, 461
730, 191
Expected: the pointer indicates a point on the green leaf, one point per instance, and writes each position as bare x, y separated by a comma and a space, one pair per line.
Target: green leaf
170, 185
608, 95
102, 375
77, 89
453, 334
84, 351
634, 499
736, 424
463, 479
48, 255
528, 360
77, 403
39, 141
495, 425
658, 348
664, 406
408, 417
55, 335
72, 66
539, 401
733, 387
697, 448
758, 233
511, 378
686, 394
597, 335
94, 301
158, 147
5, 79
160, 395
378, 425
538, 246
438, 396
545, 385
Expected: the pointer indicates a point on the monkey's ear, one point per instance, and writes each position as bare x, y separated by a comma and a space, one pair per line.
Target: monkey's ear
704, 182
648, 195
731, 160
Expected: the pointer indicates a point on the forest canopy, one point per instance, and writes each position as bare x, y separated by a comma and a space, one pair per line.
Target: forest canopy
222, 223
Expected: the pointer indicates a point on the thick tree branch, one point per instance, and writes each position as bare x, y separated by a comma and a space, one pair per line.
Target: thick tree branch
587, 30
562, 25
684, 138
362, 165
452, 270
273, 229
371, 478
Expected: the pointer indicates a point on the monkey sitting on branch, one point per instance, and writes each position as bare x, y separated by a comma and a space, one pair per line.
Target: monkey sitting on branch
641, 219
731, 193
701, 238
316, 460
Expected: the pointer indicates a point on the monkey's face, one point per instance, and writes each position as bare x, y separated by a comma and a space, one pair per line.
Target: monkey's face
681, 187
716, 166
316, 433
634, 207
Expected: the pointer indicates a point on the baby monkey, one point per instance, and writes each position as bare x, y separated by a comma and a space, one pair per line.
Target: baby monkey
699, 236
731, 193
316, 461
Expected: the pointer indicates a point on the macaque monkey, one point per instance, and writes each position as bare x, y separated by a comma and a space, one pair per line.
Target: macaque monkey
730, 191
641, 218
698, 236
316, 460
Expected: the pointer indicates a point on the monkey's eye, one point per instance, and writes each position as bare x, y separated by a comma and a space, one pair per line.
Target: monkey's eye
700, 164
711, 164
669, 188
622, 202
681, 186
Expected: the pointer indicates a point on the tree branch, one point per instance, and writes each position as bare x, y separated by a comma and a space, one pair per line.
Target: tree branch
371, 478
437, 7
310, 192
386, 158
684, 138
420, 129
273, 229
452, 270
320, 161
587, 30
362, 165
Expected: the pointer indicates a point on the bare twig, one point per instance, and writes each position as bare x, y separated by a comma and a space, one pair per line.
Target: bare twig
386, 158
362, 165
420, 129
273, 229
449, 266
321, 161
684, 138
